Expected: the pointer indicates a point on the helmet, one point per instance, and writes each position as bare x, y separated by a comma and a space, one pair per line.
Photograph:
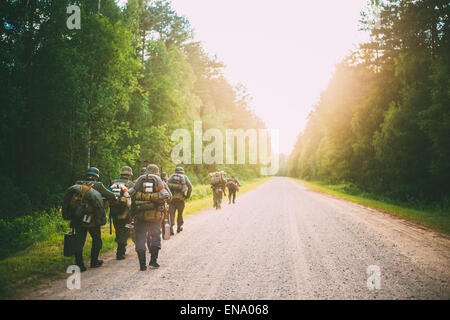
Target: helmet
179, 170
93, 171
126, 171
152, 169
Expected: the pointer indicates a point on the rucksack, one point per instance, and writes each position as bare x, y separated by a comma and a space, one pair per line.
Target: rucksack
177, 183
83, 204
232, 185
217, 179
120, 189
151, 184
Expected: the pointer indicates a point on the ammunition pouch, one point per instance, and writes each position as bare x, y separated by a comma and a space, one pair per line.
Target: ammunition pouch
142, 196
151, 216
144, 205
179, 196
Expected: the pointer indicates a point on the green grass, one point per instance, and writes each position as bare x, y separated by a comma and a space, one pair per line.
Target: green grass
436, 219
42, 260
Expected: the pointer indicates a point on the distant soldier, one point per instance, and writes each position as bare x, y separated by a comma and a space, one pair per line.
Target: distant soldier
181, 189
120, 209
149, 196
233, 187
91, 224
218, 183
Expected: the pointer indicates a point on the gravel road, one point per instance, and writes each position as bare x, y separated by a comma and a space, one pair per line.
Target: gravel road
279, 241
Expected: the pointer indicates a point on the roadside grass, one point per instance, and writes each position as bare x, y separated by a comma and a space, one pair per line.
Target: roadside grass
435, 219
206, 202
43, 259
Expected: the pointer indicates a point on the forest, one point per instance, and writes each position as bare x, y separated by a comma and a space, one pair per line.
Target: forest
106, 95
383, 124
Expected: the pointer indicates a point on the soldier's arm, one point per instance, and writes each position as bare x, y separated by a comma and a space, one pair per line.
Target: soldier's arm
137, 184
108, 195
189, 185
168, 190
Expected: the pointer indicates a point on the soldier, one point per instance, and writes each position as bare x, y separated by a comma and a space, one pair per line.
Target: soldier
149, 194
180, 195
95, 231
120, 210
218, 188
233, 186
149, 236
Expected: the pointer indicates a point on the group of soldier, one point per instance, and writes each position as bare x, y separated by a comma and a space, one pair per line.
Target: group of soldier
143, 209
137, 208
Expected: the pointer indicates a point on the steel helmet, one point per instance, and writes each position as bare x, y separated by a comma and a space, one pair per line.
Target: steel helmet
126, 171
93, 171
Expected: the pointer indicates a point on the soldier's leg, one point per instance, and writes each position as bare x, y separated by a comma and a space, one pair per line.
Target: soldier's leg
80, 239
229, 196
214, 198
234, 196
141, 237
155, 231
97, 244
172, 210
149, 241
122, 235
180, 221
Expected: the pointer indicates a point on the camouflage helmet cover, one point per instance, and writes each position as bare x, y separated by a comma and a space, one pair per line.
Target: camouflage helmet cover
179, 170
152, 169
126, 171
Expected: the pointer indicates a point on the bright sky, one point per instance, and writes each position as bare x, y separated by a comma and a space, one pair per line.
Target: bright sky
283, 51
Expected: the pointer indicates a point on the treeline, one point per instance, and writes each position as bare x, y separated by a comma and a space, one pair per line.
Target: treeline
383, 124
107, 95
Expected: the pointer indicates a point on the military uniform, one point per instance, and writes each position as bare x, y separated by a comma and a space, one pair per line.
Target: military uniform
218, 191
232, 188
121, 218
143, 226
149, 236
95, 231
178, 203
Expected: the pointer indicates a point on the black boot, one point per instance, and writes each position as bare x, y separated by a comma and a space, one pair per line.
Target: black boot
79, 261
179, 229
171, 231
154, 257
95, 262
121, 249
141, 257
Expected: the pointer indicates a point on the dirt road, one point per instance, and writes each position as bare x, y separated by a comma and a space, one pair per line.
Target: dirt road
279, 241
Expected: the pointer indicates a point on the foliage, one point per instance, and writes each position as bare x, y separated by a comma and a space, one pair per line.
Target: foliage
107, 95
383, 124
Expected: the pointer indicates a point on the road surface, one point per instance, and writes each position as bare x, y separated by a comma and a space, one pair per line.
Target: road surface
279, 241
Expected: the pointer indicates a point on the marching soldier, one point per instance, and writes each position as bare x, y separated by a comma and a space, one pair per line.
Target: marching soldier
233, 187
120, 210
181, 188
81, 230
149, 194
166, 215
218, 184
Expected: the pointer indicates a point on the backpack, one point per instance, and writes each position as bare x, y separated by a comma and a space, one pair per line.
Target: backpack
177, 183
216, 179
151, 184
120, 189
83, 204
232, 185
